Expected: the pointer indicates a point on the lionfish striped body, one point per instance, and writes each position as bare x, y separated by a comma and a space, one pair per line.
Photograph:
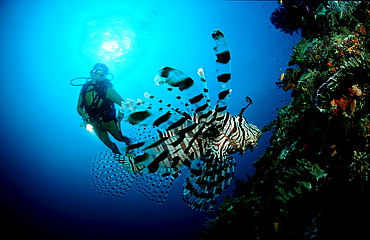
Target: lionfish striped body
201, 139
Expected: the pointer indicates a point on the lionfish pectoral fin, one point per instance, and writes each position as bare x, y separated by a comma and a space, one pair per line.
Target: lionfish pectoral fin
206, 181
111, 175
155, 187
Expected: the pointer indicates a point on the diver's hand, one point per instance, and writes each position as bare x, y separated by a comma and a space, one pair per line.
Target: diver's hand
120, 116
127, 140
85, 116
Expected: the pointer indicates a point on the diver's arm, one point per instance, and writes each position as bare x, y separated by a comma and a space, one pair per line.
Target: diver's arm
114, 96
117, 99
80, 109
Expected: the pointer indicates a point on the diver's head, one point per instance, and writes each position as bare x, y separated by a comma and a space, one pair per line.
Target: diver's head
99, 72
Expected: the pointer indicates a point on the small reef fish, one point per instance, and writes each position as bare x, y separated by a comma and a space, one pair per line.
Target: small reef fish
200, 138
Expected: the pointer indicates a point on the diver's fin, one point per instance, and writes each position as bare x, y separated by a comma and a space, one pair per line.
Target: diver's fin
111, 174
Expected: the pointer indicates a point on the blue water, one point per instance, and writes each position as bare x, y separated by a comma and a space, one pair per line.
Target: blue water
46, 191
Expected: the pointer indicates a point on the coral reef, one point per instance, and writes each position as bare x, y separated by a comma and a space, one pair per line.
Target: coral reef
293, 16
312, 182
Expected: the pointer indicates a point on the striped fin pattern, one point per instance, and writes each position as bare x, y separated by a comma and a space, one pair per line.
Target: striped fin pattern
223, 70
188, 88
139, 113
200, 139
110, 174
204, 83
206, 181
171, 152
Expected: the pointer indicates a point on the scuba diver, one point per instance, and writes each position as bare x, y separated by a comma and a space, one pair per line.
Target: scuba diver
96, 107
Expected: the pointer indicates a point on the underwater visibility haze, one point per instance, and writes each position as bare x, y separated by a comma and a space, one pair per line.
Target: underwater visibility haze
46, 155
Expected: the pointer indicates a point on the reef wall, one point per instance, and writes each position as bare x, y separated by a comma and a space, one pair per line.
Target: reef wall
312, 182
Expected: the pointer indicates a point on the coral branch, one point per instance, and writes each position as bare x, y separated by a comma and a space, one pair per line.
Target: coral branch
322, 85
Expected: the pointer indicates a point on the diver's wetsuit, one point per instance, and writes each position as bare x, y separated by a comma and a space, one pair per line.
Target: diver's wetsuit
101, 109
102, 112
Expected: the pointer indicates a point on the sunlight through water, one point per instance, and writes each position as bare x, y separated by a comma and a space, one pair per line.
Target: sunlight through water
111, 40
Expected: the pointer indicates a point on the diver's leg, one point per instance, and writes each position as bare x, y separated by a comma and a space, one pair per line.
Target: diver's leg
113, 129
104, 137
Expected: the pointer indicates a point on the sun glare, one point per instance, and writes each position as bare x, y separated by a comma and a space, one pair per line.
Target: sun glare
110, 40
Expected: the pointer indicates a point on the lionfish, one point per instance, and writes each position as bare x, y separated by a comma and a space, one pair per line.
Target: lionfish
199, 138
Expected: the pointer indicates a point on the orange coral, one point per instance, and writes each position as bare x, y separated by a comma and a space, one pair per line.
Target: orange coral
356, 91
339, 105
362, 30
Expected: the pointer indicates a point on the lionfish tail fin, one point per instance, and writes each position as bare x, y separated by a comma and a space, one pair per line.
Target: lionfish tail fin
206, 181
112, 174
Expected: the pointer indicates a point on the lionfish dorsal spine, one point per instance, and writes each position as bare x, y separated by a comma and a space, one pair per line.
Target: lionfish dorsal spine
176, 92
204, 83
189, 90
165, 105
141, 113
223, 70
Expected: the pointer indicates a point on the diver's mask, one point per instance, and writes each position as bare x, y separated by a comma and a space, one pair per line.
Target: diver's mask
99, 74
